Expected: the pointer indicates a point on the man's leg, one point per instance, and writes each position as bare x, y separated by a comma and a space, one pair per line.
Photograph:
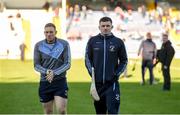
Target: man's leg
143, 69
48, 107
167, 80
100, 106
113, 99
61, 104
46, 97
151, 76
61, 96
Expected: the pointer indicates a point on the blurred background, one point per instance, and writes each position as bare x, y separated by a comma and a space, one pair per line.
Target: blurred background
22, 23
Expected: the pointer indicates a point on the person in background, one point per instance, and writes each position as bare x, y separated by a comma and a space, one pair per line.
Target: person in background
148, 50
165, 56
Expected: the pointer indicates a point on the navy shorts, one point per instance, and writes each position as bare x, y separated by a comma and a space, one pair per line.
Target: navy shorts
47, 90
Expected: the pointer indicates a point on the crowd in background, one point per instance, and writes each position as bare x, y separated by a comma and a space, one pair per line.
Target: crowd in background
165, 17
82, 23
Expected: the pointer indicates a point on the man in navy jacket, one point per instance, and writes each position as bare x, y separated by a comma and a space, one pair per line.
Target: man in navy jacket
165, 56
107, 54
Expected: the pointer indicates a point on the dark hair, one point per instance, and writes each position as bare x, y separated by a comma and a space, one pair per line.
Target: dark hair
148, 33
165, 34
50, 25
105, 19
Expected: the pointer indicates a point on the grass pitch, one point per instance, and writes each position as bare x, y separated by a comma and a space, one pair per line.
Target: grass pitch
19, 90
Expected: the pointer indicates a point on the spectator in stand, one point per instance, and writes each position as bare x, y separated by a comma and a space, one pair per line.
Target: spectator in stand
105, 10
84, 12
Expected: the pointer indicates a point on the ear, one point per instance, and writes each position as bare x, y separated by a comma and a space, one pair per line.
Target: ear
99, 27
112, 27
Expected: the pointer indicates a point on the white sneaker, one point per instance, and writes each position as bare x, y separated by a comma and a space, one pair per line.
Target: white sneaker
155, 82
142, 83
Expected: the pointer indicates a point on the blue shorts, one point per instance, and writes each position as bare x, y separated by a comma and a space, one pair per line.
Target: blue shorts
47, 90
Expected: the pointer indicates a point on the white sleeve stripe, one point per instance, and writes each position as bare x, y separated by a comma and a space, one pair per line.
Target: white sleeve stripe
123, 68
40, 69
88, 64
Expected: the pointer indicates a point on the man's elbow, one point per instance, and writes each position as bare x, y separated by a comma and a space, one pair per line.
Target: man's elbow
36, 69
68, 66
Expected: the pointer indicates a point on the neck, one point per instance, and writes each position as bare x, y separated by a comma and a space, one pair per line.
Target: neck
149, 40
51, 41
108, 34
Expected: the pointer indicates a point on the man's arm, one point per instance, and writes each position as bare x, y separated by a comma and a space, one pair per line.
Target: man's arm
67, 61
122, 55
169, 55
88, 58
154, 54
140, 48
37, 61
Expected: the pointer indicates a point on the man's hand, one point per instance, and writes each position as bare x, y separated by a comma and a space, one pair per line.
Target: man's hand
49, 75
154, 61
138, 53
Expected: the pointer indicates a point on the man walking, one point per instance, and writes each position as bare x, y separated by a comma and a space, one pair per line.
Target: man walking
107, 55
52, 59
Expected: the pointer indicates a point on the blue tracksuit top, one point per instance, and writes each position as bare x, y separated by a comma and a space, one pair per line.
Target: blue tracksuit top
107, 54
54, 56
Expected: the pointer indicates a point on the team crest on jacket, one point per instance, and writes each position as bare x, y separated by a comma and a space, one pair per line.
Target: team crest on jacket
111, 48
117, 97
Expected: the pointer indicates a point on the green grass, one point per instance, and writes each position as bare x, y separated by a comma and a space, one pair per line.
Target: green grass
19, 90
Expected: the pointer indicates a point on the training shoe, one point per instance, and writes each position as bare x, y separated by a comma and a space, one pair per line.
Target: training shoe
154, 82
166, 89
142, 83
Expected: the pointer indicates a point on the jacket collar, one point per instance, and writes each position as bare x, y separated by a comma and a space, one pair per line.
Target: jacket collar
168, 43
51, 43
106, 36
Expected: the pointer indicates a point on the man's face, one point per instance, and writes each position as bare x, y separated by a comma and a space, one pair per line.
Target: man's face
50, 34
105, 27
164, 38
148, 35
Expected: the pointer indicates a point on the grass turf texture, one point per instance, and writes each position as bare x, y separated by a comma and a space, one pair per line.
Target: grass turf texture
19, 90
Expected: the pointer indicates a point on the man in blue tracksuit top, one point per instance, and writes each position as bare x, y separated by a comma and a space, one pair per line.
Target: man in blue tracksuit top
52, 60
107, 54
